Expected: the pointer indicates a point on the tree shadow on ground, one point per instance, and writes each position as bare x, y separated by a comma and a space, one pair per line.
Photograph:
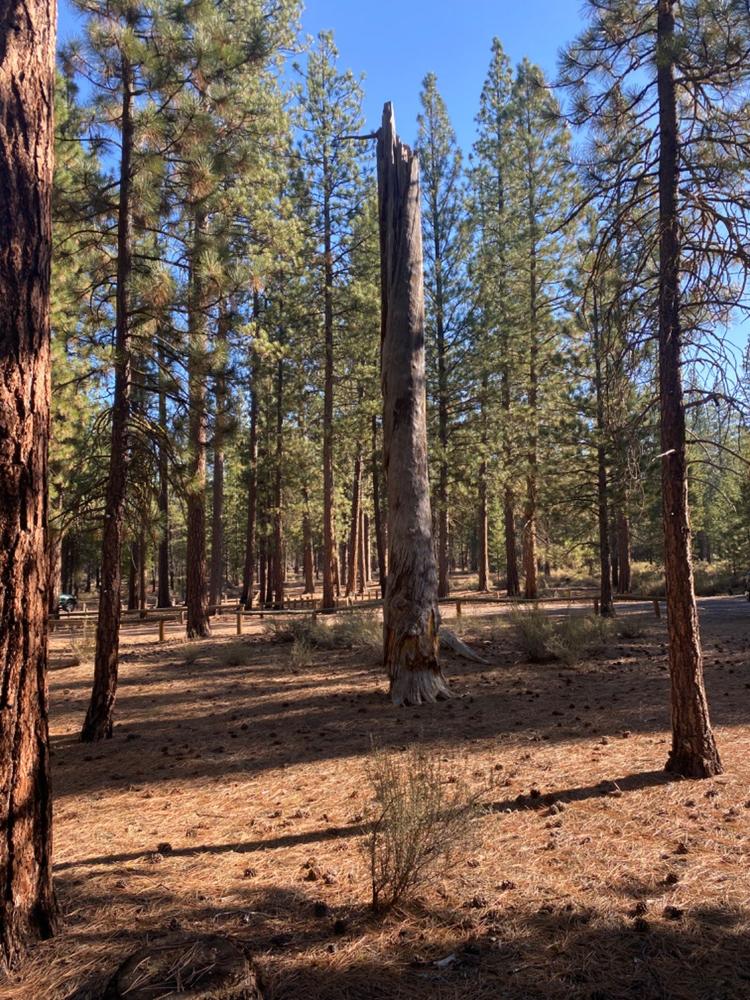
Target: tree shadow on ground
305, 948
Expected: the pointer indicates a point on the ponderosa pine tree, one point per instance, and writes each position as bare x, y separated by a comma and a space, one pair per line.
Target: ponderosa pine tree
683, 68
445, 254
114, 45
495, 352
541, 263
331, 109
27, 73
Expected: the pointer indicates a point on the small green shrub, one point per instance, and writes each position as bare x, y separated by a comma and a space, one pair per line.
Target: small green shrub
421, 815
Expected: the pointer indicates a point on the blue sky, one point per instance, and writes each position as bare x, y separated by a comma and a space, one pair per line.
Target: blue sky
395, 42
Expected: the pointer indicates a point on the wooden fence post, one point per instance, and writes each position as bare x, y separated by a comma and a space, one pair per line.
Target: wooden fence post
161, 630
239, 623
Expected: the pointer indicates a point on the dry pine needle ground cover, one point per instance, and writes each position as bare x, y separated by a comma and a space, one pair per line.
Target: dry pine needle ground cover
230, 801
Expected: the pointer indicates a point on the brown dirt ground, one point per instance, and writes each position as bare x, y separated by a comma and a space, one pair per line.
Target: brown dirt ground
252, 773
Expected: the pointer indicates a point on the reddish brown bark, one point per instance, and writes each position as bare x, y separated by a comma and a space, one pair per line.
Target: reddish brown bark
27, 46
694, 753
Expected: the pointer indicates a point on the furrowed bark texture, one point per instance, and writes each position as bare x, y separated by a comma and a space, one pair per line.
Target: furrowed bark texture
694, 753
27, 46
411, 617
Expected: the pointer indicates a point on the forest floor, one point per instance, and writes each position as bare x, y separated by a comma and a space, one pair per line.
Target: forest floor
230, 800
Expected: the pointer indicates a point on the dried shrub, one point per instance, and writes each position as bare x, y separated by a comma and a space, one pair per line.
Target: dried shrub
421, 815
568, 639
534, 631
578, 636
82, 646
300, 653
632, 627
360, 630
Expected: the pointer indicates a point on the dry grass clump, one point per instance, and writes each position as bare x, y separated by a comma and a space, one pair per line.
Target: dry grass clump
632, 626
82, 647
360, 630
301, 652
420, 817
569, 639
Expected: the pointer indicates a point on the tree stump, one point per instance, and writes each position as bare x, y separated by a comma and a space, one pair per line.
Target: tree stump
196, 968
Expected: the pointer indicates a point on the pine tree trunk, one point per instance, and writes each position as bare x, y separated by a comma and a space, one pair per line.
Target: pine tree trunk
278, 520
330, 566
377, 510
142, 571
411, 617
133, 576
164, 599
307, 545
354, 538
531, 590
361, 578
624, 582
442, 499
513, 584
98, 722
196, 597
366, 548
694, 753
252, 490
27, 53
483, 555
217, 487
262, 570
54, 553
606, 605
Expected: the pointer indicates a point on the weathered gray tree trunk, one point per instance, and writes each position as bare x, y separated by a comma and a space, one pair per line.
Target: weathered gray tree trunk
694, 753
27, 61
411, 618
